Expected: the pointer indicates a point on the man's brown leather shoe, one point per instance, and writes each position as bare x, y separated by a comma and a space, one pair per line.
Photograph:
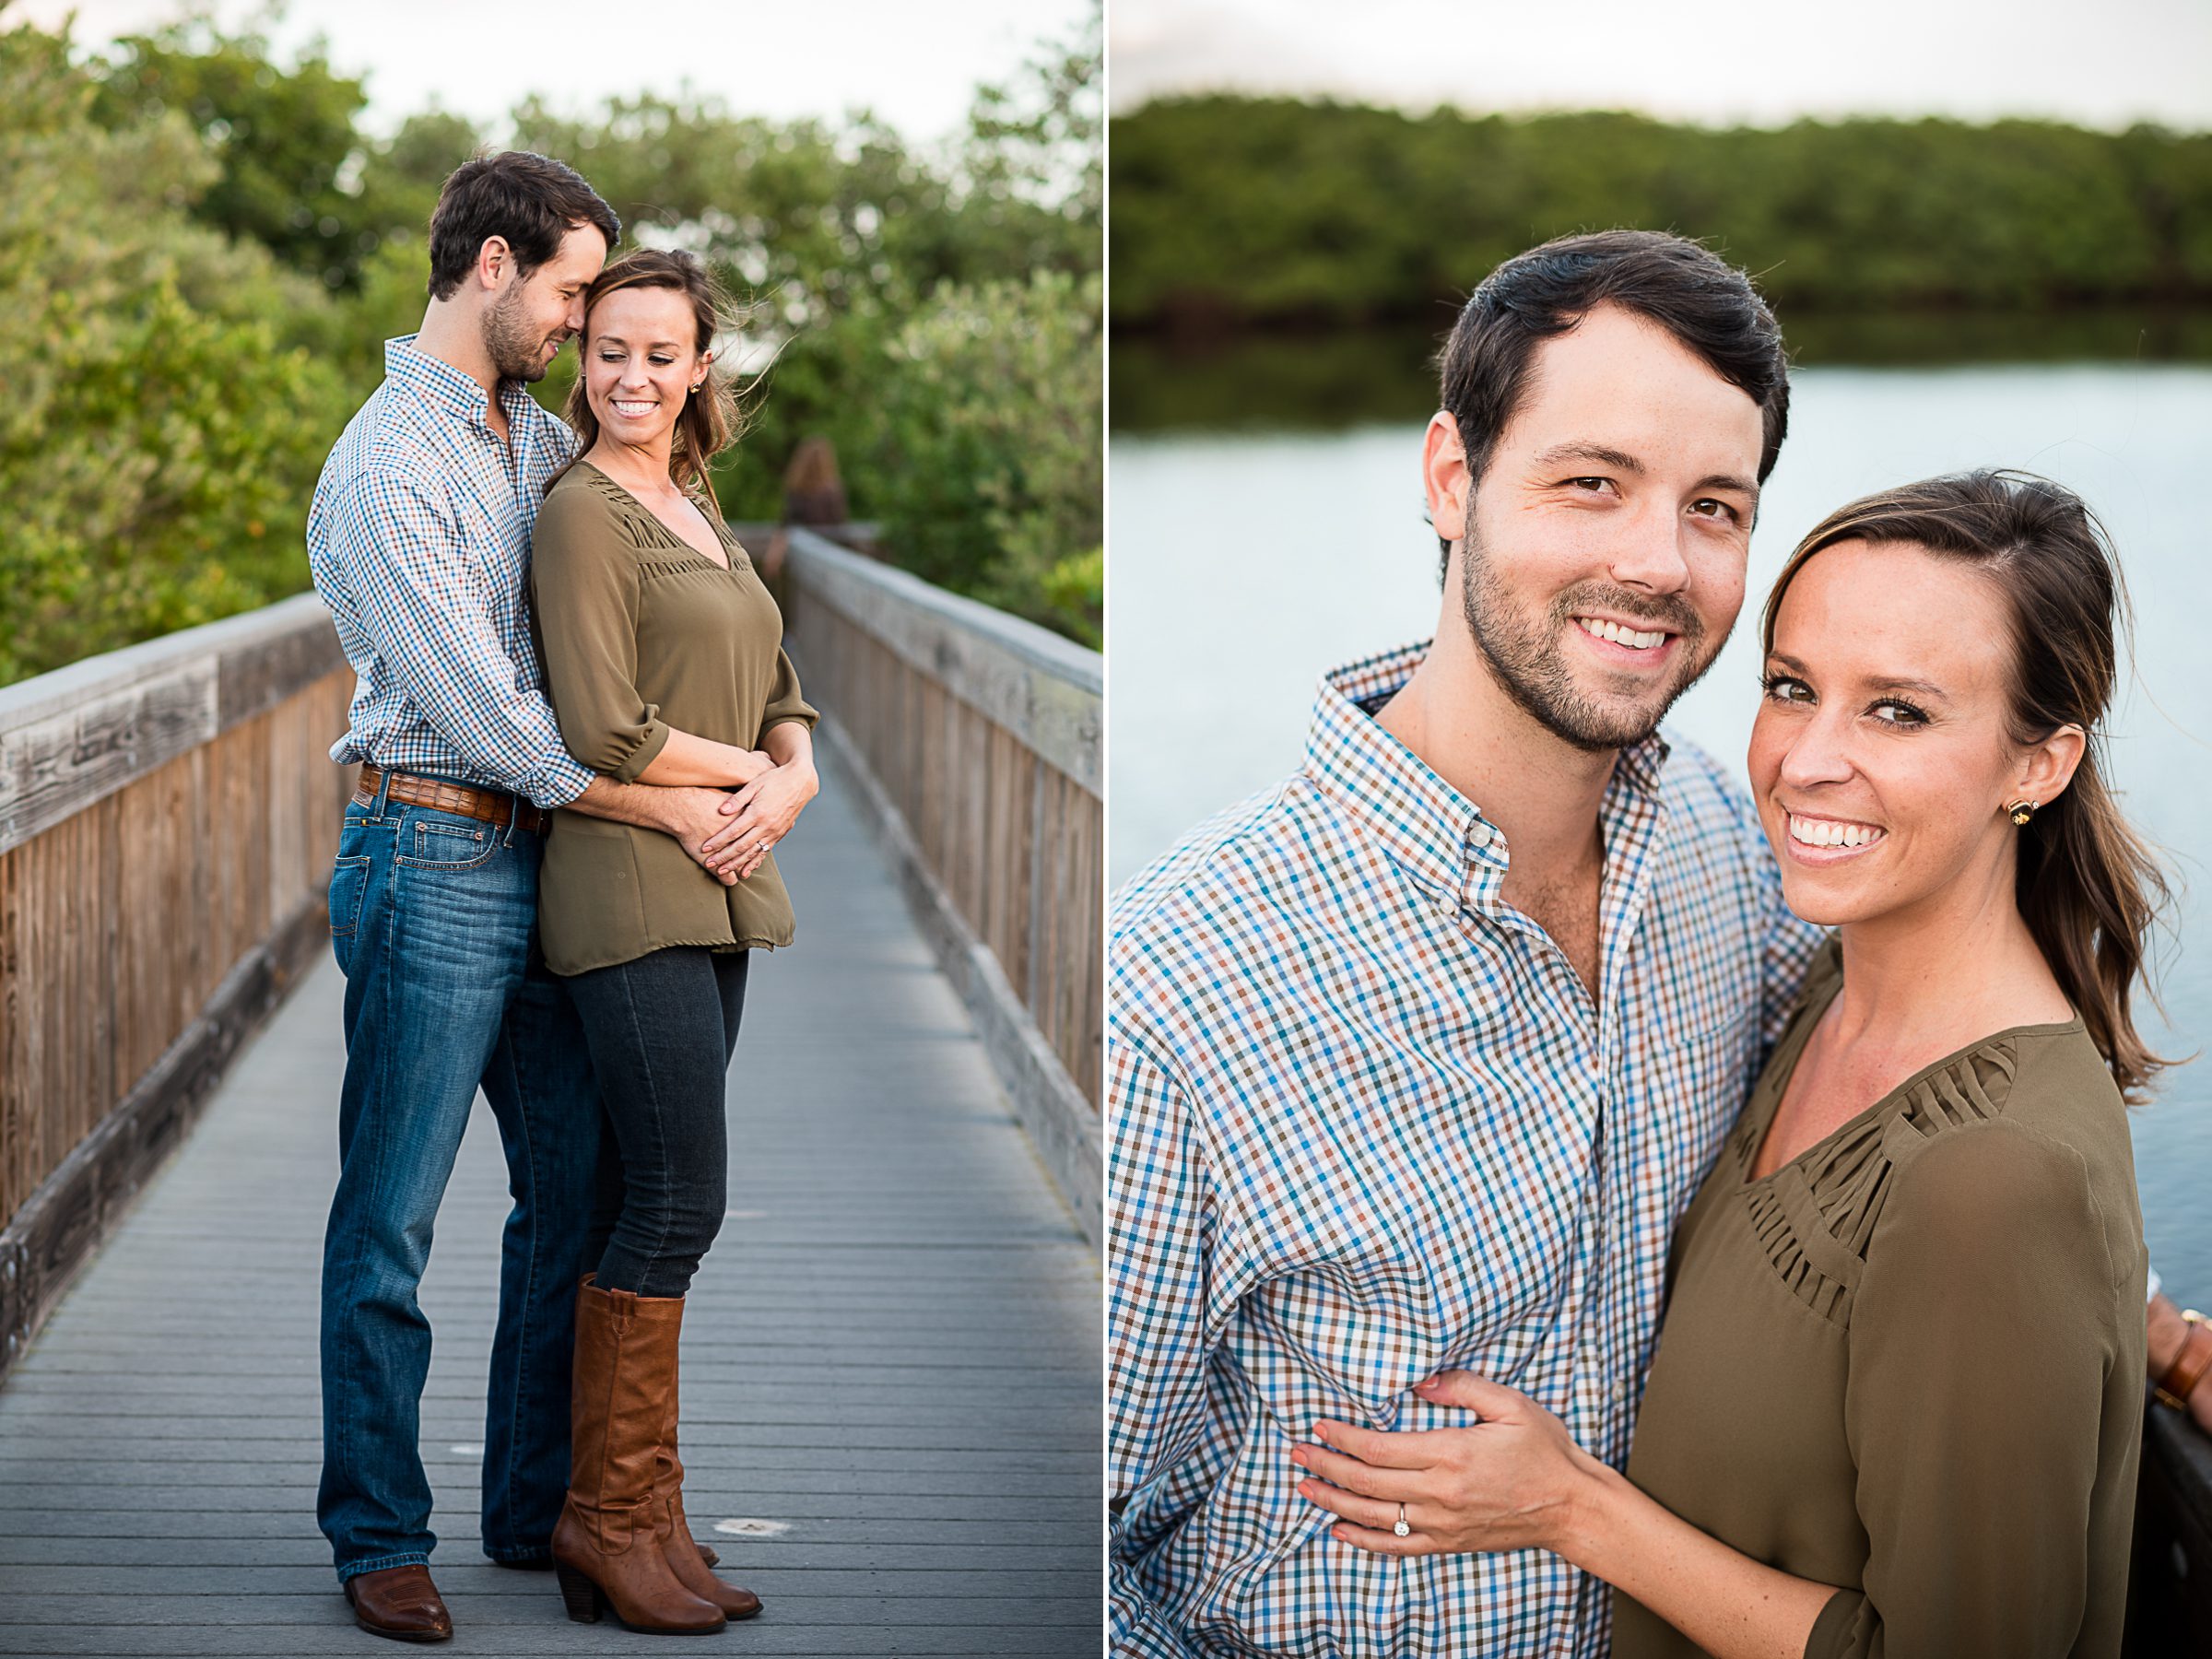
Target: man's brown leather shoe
401, 1602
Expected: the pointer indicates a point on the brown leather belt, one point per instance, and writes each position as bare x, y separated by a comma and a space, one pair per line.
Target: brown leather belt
491, 805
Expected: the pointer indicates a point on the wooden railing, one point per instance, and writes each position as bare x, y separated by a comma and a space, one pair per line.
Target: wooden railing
168, 817
976, 740
2170, 1591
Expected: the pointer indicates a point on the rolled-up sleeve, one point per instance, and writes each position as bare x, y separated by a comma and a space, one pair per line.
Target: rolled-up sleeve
584, 589
415, 599
784, 700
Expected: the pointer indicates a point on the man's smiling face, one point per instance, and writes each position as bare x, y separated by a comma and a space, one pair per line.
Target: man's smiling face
1601, 563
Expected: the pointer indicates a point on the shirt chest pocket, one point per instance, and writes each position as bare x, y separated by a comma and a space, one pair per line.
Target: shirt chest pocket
1693, 1081
490, 548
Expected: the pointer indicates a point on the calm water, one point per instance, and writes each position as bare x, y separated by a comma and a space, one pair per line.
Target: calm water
1243, 565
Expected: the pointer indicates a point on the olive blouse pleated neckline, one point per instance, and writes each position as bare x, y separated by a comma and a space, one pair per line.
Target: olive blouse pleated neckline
1825, 984
731, 549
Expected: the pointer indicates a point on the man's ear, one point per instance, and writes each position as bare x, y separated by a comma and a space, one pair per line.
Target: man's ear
1444, 477
494, 264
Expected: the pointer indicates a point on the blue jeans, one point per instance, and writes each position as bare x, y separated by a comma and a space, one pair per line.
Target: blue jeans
433, 922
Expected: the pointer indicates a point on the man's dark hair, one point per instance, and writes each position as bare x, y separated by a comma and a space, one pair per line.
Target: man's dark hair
1683, 286
531, 201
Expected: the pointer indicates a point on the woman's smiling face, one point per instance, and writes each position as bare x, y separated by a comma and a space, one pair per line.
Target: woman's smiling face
1882, 754
639, 360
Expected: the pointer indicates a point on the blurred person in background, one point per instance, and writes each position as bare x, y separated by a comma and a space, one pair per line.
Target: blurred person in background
813, 494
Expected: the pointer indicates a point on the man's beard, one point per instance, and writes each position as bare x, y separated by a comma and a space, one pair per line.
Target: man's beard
517, 352
1528, 662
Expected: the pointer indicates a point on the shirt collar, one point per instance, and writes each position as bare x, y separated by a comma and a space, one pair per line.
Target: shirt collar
438, 379
1640, 765
1439, 836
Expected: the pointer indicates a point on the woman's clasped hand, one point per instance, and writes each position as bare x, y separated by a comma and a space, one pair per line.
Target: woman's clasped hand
1512, 1478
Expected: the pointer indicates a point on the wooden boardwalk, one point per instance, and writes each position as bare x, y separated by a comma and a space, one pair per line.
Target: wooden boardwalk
891, 1382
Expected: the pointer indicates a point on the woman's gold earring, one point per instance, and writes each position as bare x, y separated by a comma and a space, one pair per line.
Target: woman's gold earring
2022, 811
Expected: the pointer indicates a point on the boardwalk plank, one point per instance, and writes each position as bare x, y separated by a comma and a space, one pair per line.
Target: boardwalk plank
735, 1443
284, 1594
720, 1491
336, 1634
185, 1520
838, 1542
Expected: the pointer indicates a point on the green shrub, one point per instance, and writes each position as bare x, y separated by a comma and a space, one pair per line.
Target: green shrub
992, 424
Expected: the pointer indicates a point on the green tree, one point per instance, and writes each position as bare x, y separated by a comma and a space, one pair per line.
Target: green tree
1033, 166
908, 301
200, 256
157, 447
287, 154
1275, 212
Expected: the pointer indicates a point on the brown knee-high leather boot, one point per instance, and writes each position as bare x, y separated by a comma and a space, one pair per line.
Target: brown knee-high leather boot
674, 1527
606, 1544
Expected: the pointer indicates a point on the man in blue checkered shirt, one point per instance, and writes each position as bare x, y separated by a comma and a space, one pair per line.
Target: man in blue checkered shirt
419, 542
1390, 1099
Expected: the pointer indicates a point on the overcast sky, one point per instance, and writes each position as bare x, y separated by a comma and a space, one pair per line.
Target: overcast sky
2102, 63
915, 65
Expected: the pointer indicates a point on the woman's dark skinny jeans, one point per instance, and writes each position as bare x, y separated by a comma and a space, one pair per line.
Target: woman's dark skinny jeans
660, 1030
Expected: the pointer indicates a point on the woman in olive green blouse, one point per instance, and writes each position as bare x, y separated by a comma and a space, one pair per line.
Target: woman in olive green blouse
663, 658
1897, 1401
